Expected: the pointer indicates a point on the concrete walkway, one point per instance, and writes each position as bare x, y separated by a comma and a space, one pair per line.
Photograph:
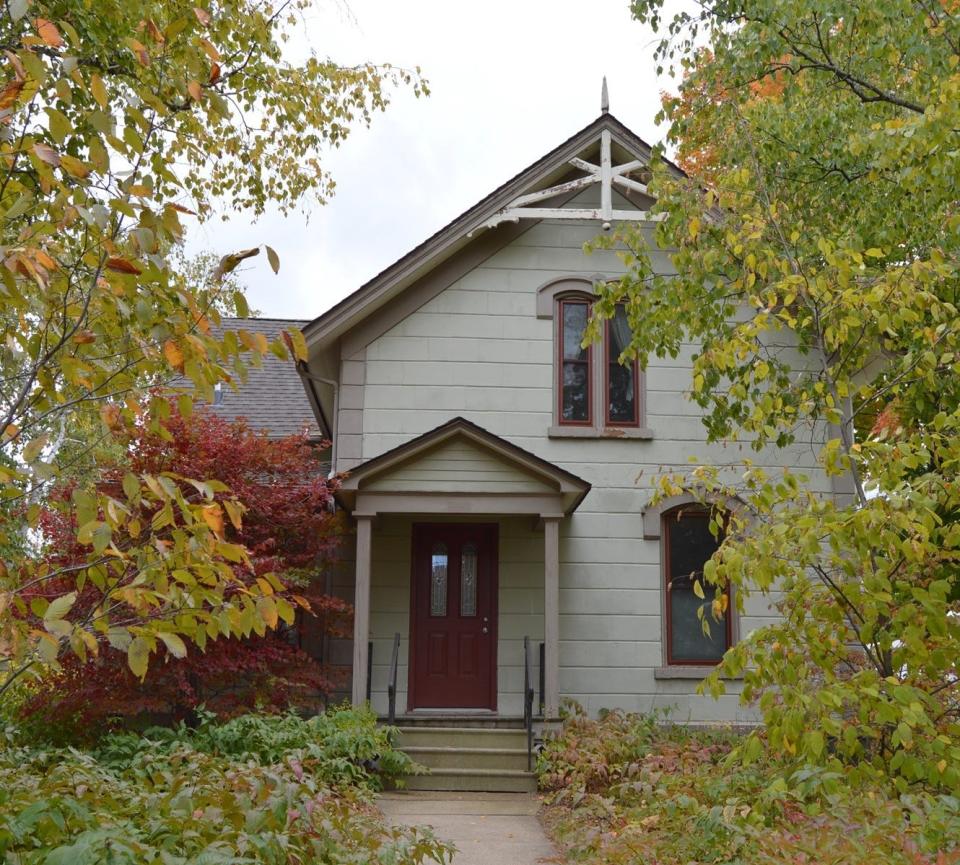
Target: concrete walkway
487, 828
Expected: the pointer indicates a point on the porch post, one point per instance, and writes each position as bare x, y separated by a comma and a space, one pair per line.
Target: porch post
551, 616
361, 609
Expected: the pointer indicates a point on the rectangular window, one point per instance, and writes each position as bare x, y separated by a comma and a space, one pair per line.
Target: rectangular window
575, 364
689, 545
623, 407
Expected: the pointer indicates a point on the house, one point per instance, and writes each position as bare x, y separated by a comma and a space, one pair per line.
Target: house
499, 476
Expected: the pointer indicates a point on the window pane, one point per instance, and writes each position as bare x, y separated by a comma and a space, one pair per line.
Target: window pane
621, 379
690, 546
574, 324
438, 580
468, 580
576, 391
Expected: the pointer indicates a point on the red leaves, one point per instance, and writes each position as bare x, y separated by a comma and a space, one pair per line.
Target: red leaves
287, 526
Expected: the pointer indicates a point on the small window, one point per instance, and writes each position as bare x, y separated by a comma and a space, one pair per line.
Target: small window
592, 397
575, 364
438, 580
468, 580
688, 545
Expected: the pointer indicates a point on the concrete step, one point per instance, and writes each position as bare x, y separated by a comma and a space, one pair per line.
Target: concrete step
460, 737
439, 757
491, 780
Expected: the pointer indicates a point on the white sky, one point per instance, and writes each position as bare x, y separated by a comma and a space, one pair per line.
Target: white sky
509, 79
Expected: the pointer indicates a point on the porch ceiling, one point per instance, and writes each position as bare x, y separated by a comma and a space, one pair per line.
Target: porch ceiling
461, 468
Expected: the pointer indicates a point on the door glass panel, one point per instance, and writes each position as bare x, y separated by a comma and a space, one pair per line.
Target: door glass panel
468, 580
438, 580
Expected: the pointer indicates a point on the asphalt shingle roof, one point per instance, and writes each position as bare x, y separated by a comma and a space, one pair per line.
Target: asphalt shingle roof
272, 398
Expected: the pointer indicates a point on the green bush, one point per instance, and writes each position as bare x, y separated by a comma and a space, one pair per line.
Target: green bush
631, 788
266, 790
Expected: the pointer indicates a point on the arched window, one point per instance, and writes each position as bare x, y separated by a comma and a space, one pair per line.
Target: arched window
595, 394
687, 546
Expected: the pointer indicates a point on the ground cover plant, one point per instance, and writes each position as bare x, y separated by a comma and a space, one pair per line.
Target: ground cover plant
255, 789
632, 788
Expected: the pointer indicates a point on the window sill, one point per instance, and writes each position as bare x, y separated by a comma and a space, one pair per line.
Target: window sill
683, 671
587, 432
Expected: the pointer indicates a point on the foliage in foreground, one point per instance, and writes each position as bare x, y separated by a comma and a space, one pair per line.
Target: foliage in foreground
816, 293
124, 121
629, 788
288, 530
253, 790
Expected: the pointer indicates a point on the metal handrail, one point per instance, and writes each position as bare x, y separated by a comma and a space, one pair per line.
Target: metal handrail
528, 700
392, 682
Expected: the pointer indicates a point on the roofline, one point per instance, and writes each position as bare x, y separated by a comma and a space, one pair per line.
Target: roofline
521, 454
476, 215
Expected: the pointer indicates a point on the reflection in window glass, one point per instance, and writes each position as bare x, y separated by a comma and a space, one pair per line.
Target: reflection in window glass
690, 546
438, 580
468, 580
621, 379
575, 376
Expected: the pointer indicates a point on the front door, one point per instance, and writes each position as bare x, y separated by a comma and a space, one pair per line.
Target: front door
453, 616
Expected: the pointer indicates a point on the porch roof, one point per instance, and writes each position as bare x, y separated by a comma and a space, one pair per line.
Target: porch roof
461, 468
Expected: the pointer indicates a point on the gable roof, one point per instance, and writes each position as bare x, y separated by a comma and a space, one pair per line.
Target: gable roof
568, 486
390, 282
272, 398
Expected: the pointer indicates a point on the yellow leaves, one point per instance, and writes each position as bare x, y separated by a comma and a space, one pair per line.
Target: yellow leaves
210, 50
139, 51
46, 154
48, 32
195, 91
267, 609
173, 354
213, 516
230, 261
296, 343
175, 645
99, 91
273, 258
74, 167
694, 228
111, 417
202, 16
138, 656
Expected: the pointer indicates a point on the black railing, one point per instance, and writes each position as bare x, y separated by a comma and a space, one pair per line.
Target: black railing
543, 677
392, 681
528, 700
369, 669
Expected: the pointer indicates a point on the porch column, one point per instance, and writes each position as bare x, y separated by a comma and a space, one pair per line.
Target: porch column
361, 608
551, 616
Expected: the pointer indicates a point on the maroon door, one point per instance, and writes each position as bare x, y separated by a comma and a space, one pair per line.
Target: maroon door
453, 617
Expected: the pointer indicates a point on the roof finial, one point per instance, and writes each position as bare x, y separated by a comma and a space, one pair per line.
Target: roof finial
604, 98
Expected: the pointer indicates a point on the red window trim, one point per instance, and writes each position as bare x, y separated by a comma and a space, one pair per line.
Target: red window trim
560, 361
606, 385
672, 516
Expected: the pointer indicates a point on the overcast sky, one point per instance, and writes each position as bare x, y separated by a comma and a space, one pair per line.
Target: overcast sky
509, 79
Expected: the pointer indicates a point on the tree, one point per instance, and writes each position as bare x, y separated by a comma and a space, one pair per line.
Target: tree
817, 271
120, 120
291, 533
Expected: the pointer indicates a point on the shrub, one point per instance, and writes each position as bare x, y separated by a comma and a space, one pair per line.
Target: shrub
630, 788
270, 790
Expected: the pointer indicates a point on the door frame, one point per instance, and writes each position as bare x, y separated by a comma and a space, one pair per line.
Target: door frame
415, 528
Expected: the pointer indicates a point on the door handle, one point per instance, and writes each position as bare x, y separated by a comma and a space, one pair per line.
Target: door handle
484, 630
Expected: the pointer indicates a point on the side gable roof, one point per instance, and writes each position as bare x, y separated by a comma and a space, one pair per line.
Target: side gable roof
457, 234
272, 399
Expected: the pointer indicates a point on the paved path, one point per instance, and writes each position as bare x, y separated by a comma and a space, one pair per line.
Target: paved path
488, 828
